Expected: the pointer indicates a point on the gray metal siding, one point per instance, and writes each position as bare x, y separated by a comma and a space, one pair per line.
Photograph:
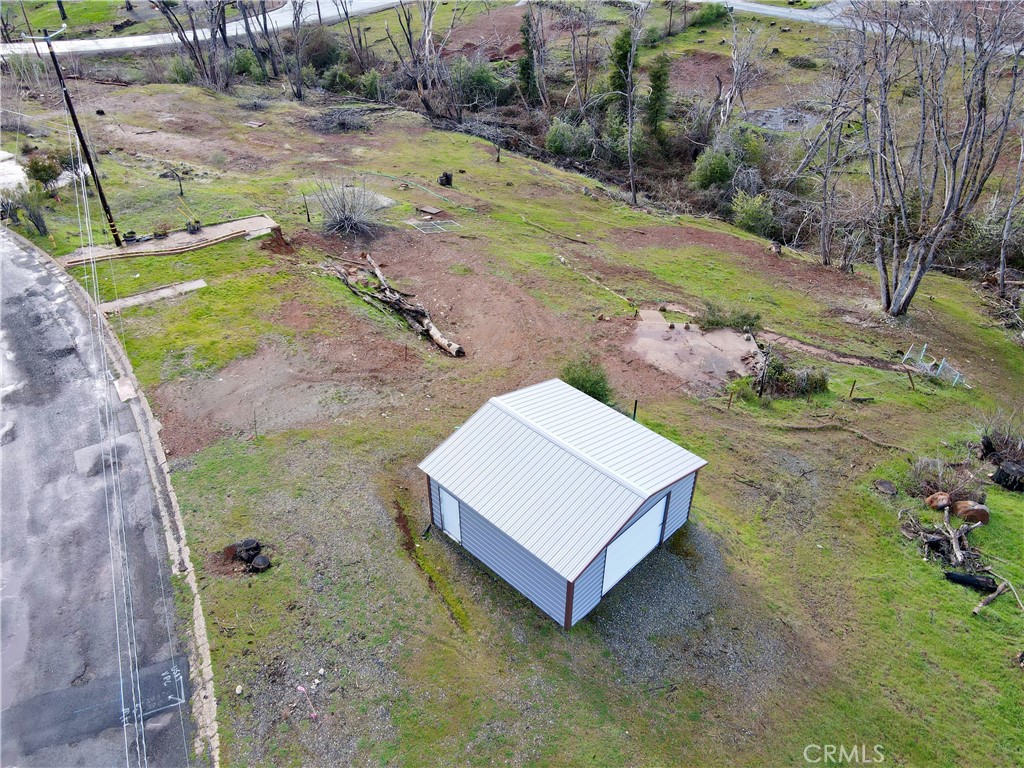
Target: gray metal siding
679, 505
557, 471
435, 504
510, 560
587, 592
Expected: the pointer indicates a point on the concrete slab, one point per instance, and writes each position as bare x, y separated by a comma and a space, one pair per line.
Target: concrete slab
167, 292
125, 389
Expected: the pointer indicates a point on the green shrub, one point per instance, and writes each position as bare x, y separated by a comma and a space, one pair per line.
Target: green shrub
568, 141
715, 316
182, 71
320, 49
709, 13
371, 85
337, 80
803, 62
588, 377
44, 168
243, 62
712, 168
753, 213
782, 381
477, 84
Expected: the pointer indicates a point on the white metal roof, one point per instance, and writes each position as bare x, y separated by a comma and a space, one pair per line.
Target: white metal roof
557, 470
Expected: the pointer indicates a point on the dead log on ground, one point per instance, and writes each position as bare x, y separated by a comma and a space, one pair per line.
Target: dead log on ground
944, 543
1004, 587
980, 583
383, 296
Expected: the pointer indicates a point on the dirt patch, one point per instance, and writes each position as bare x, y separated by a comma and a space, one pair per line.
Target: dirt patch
493, 34
704, 362
695, 72
278, 389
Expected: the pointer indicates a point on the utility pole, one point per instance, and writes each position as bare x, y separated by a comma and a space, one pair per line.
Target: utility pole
81, 140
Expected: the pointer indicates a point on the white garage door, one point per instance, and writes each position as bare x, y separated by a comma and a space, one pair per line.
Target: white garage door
450, 515
633, 545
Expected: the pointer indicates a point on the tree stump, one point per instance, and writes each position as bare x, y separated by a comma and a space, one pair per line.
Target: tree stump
1010, 476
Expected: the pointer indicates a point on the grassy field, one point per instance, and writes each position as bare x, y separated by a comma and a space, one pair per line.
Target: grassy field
427, 658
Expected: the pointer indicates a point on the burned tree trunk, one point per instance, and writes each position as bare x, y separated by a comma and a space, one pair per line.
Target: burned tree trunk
1010, 475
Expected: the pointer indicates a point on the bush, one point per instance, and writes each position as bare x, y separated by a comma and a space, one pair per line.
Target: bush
568, 141
476, 84
244, 62
44, 168
783, 381
371, 85
348, 209
33, 200
708, 13
715, 316
588, 377
712, 168
754, 214
803, 62
182, 71
320, 49
337, 80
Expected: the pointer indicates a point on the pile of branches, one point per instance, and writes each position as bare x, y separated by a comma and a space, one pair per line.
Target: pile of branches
944, 543
1002, 437
342, 120
931, 476
370, 285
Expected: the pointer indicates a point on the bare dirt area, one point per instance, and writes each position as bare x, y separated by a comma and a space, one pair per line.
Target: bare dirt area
696, 72
494, 34
704, 361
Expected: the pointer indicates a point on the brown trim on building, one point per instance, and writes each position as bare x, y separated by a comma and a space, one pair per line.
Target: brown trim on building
430, 500
570, 588
693, 492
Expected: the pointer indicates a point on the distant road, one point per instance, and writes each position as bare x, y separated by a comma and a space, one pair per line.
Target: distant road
281, 17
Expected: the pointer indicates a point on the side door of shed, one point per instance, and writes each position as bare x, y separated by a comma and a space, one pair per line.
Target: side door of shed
450, 522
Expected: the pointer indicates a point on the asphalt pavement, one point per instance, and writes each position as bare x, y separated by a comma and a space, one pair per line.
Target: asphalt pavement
281, 18
93, 662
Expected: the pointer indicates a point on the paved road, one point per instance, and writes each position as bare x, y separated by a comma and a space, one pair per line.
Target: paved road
281, 17
92, 670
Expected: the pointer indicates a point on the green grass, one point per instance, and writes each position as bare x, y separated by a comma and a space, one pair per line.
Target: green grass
890, 648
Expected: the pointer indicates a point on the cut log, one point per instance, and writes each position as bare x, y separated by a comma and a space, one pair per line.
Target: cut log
1010, 476
1004, 587
980, 583
938, 500
885, 487
971, 511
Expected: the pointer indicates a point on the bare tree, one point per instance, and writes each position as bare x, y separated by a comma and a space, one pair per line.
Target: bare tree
637, 14
938, 92
205, 58
298, 43
745, 50
419, 55
360, 50
1011, 210
581, 19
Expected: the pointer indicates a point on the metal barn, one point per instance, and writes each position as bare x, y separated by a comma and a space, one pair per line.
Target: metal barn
559, 494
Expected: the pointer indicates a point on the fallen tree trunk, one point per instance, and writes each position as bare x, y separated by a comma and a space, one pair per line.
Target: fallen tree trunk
1004, 587
385, 297
980, 583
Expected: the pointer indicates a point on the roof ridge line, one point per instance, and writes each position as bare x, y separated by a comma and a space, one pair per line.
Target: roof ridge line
642, 493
